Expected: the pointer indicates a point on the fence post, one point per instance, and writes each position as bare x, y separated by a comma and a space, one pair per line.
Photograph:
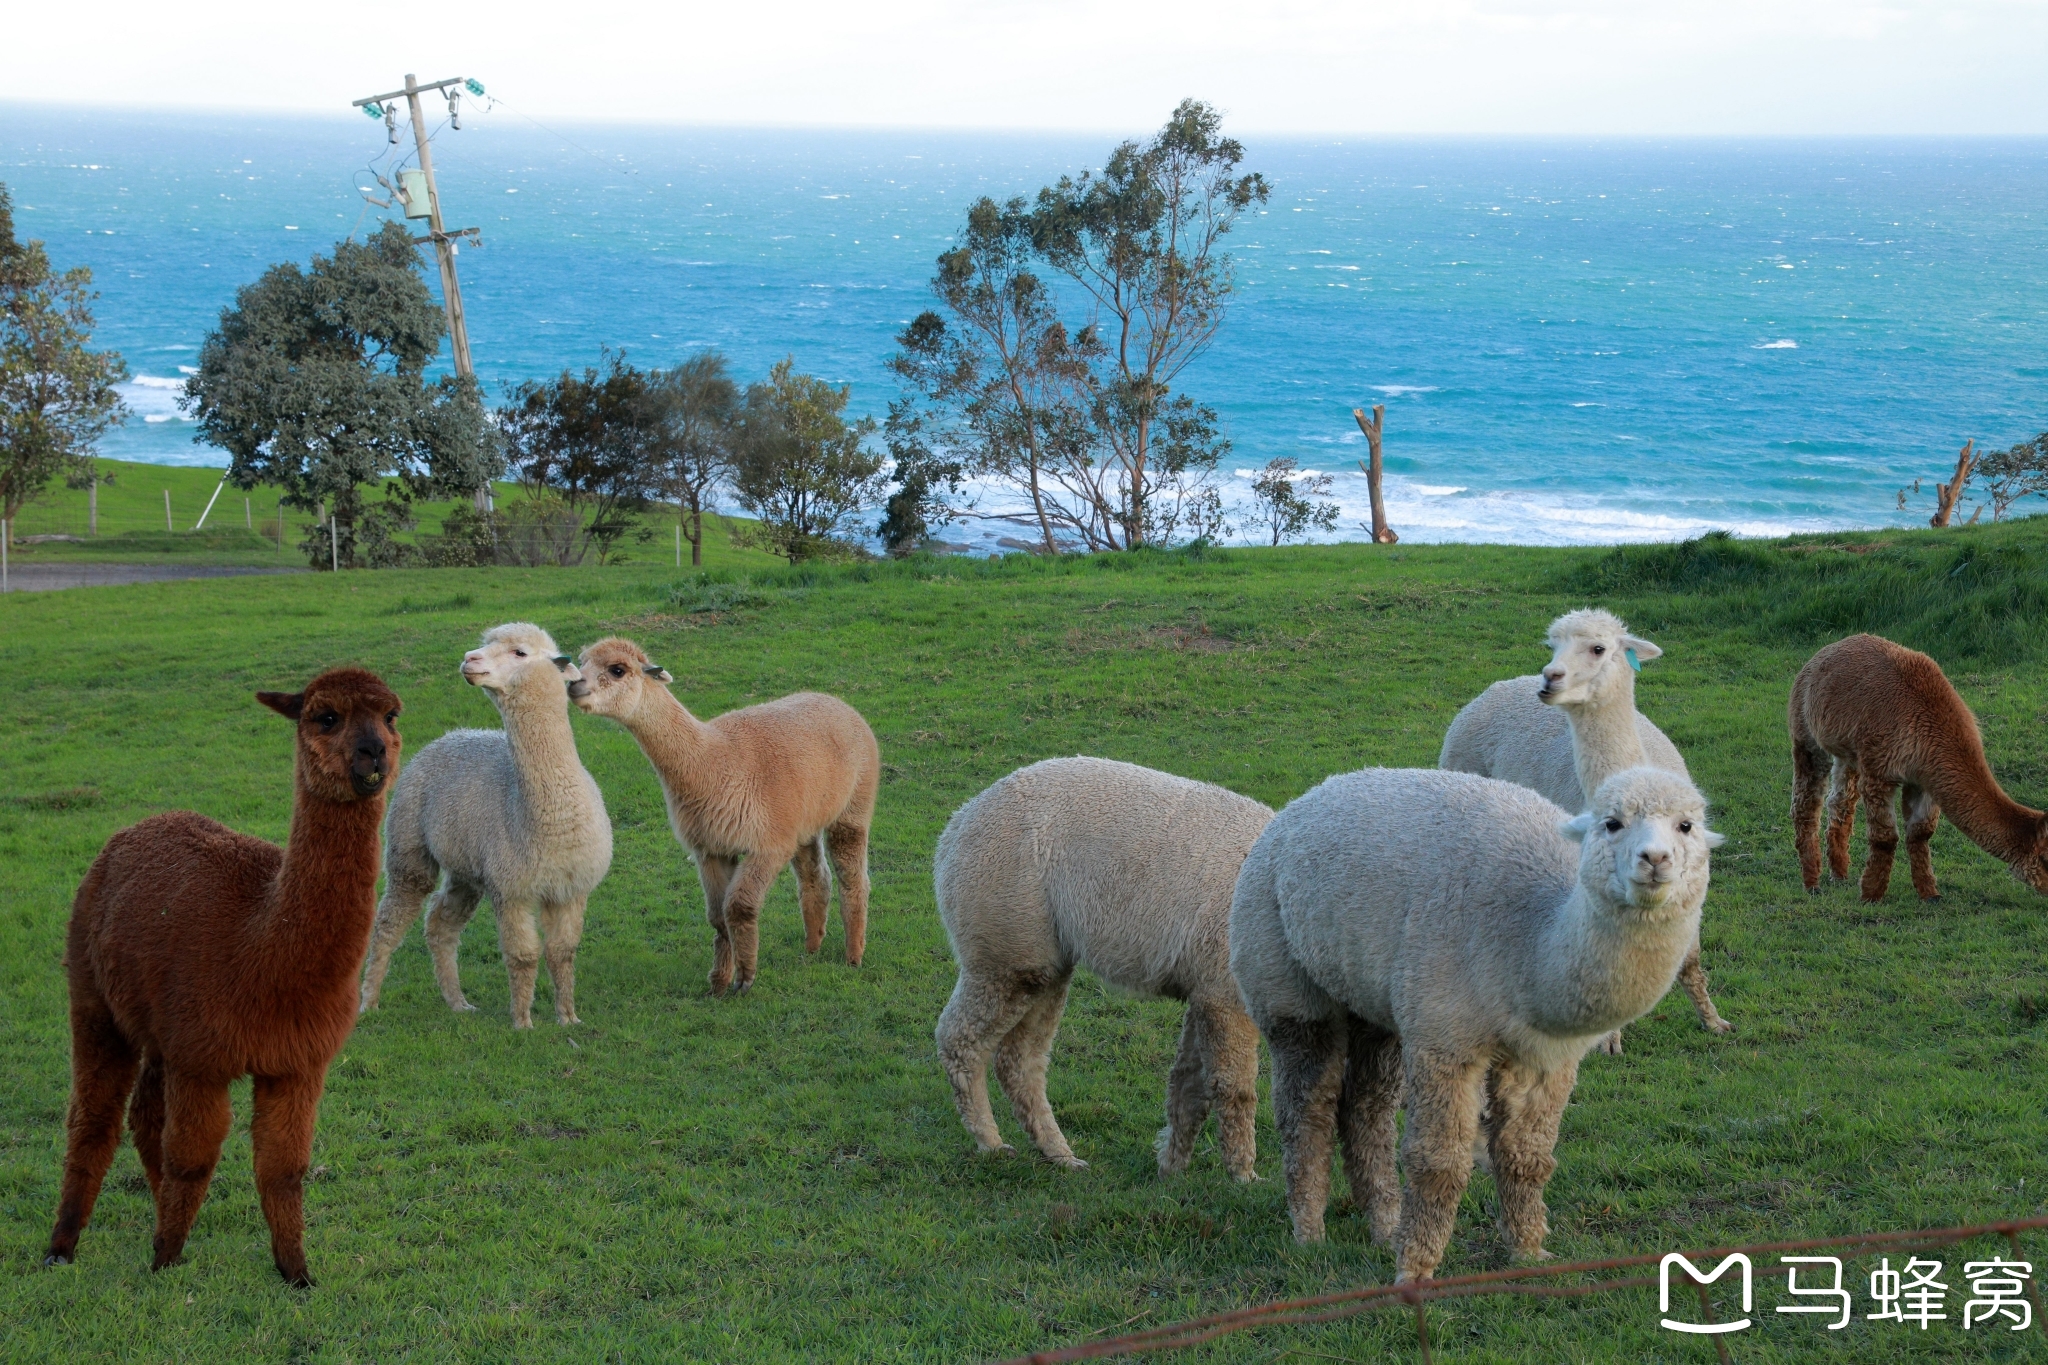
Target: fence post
167, 511
334, 544
6, 534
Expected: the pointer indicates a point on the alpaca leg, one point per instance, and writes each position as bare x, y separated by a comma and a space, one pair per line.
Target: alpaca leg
563, 925
979, 1013
196, 1120
282, 1134
1308, 1073
1882, 833
1693, 977
743, 901
715, 875
813, 892
1842, 784
1922, 815
1526, 1109
1232, 1071
445, 918
102, 1071
519, 944
1365, 1122
1187, 1093
1809, 793
1443, 1120
848, 846
146, 1121
404, 896
1021, 1062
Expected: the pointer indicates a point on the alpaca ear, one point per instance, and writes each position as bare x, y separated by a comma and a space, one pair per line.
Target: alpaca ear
562, 662
658, 673
290, 705
1642, 648
1576, 828
1715, 840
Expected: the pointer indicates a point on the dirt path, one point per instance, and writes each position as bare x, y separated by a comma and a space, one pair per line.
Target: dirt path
48, 577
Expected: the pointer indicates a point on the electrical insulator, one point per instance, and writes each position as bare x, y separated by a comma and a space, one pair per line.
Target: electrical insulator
474, 87
454, 108
391, 123
374, 109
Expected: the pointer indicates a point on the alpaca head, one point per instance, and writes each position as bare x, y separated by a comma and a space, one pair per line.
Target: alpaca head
1589, 657
513, 655
616, 674
1645, 840
2032, 868
348, 733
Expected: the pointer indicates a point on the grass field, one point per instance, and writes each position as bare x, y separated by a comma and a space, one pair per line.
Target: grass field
241, 527
782, 1177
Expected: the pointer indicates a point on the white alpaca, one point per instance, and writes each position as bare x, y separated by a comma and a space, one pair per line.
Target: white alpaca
509, 814
1440, 931
1564, 732
1123, 870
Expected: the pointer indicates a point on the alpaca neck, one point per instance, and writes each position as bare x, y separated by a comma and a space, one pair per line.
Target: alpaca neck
1605, 740
326, 890
1598, 966
672, 738
543, 749
1974, 802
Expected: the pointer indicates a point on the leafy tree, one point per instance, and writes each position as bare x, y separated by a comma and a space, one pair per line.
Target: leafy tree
927, 480
315, 381
1292, 503
57, 395
801, 469
1143, 239
592, 442
1007, 385
2010, 475
696, 413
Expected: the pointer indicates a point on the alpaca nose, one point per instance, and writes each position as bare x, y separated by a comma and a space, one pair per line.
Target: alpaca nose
1657, 858
372, 748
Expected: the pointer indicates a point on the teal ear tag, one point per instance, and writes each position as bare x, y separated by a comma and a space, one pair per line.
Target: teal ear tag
1633, 661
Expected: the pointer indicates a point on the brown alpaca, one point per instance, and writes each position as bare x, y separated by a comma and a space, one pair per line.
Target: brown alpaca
1868, 716
747, 792
198, 955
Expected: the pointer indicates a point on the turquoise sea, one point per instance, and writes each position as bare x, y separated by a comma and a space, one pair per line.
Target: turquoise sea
1575, 341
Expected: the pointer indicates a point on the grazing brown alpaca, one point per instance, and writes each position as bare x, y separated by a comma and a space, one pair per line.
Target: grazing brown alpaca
198, 955
1868, 716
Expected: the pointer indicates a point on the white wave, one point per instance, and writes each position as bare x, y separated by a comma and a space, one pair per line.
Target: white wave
1438, 490
188, 369
1396, 390
1589, 405
1782, 344
161, 417
150, 381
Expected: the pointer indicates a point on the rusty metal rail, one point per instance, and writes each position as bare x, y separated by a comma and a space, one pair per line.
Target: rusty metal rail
1527, 1280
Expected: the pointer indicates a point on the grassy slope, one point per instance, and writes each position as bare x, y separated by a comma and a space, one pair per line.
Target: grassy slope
783, 1177
132, 527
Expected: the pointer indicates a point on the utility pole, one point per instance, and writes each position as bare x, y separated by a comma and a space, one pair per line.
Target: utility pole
444, 241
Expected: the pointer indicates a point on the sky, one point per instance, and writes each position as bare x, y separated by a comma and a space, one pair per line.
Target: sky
1399, 67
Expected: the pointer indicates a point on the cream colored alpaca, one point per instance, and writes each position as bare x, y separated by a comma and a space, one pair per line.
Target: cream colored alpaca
1436, 934
509, 814
1564, 732
1123, 870
747, 792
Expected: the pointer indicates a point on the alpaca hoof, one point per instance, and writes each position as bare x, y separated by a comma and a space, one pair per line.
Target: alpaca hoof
1068, 1162
1611, 1044
1247, 1177
1536, 1257
461, 1007
1719, 1026
56, 1258
1934, 897
301, 1280
997, 1152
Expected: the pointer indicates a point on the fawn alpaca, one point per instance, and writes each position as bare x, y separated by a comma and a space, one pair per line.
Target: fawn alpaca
1870, 717
198, 955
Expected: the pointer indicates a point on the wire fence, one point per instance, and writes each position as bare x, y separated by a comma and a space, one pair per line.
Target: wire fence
1533, 1281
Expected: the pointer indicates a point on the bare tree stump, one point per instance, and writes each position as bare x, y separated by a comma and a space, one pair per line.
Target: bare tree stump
1947, 495
1382, 533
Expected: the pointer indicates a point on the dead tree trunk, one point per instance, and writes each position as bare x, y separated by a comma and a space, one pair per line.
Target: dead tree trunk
1947, 495
1382, 533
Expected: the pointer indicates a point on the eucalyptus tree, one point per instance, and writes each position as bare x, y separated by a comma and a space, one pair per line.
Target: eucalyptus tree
57, 394
1143, 239
315, 381
696, 413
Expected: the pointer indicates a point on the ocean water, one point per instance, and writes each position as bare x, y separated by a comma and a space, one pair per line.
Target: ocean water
1576, 342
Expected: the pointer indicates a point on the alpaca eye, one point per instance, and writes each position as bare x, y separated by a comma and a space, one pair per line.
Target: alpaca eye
391, 718
618, 670
329, 721
1685, 826
1599, 649
1613, 825
520, 652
